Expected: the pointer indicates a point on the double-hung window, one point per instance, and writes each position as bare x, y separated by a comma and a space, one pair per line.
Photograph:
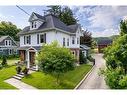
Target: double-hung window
41, 38
77, 40
68, 42
27, 39
73, 40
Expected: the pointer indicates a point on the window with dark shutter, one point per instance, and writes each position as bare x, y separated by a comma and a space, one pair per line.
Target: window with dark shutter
37, 38
45, 38
63, 41
29, 39
24, 40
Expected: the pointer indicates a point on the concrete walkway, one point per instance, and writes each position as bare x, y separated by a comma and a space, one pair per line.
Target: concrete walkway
94, 80
19, 84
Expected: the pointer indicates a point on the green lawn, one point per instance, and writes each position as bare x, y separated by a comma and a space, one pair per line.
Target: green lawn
11, 61
6, 73
68, 81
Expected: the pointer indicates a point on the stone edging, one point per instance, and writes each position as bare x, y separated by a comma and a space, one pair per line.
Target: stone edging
77, 86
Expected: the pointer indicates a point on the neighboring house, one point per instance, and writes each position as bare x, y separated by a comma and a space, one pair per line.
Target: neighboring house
7, 45
85, 50
46, 29
102, 44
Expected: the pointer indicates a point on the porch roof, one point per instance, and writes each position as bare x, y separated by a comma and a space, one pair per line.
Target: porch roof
84, 47
28, 47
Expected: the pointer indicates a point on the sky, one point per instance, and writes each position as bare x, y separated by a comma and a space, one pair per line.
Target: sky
101, 21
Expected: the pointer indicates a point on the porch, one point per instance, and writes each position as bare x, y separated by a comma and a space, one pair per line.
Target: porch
27, 56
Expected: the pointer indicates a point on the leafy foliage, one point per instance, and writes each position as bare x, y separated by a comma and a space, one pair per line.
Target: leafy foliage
82, 58
65, 14
123, 27
7, 28
4, 61
55, 60
116, 60
115, 78
86, 39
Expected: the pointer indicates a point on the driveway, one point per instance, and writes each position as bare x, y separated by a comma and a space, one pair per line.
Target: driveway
94, 80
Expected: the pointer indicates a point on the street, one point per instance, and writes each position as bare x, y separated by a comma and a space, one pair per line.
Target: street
94, 80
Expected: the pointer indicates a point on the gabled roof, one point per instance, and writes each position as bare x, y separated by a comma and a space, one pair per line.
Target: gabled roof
37, 15
104, 42
51, 22
2, 38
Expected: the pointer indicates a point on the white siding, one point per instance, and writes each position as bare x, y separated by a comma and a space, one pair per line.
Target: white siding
52, 36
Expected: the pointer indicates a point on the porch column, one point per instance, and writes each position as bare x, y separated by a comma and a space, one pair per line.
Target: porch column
36, 61
28, 59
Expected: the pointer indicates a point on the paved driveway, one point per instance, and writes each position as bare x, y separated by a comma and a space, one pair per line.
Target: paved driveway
94, 80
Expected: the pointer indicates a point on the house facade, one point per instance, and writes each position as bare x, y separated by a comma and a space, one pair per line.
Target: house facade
46, 29
101, 44
85, 50
7, 46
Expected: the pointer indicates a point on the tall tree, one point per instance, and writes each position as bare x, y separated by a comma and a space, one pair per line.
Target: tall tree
7, 28
86, 39
55, 10
65, 14
123, 27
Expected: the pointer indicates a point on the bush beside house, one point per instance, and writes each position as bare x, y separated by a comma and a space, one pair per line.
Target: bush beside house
55, 60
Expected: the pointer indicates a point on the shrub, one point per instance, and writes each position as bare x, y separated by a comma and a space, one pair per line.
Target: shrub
18, 69
1, 66
90, 58
115, 78
55, 60
4, 61
82, 58
25, 71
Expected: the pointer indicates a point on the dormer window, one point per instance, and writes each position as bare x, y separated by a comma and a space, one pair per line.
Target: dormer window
34, 24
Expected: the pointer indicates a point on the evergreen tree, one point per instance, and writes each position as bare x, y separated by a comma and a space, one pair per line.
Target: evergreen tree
65, 14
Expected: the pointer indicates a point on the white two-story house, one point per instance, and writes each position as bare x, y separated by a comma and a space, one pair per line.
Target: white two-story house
46, 29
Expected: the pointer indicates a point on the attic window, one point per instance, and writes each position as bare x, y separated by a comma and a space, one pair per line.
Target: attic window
33, 24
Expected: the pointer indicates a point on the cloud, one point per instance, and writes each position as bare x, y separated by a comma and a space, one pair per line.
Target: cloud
2, 17
105, 33
101, 19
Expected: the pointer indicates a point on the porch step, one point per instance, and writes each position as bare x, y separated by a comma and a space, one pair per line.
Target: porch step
33, 69
16, 77
20, 75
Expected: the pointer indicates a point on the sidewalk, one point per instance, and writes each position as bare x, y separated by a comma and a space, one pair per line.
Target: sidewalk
19, 84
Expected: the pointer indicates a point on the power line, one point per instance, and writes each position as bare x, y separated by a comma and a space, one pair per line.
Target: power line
22, 10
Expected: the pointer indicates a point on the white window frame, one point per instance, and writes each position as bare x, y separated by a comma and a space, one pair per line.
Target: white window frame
77, 40
9, 43
40, 38
10, 51
26, 38
73, 39
68, 42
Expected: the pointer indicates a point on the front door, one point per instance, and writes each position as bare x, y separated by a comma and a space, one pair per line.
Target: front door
32, 58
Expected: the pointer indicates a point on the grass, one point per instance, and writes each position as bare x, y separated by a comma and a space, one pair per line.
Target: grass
6, 73
68, 81
11, 61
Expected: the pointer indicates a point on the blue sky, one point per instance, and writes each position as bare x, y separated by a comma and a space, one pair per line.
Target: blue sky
99, 20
